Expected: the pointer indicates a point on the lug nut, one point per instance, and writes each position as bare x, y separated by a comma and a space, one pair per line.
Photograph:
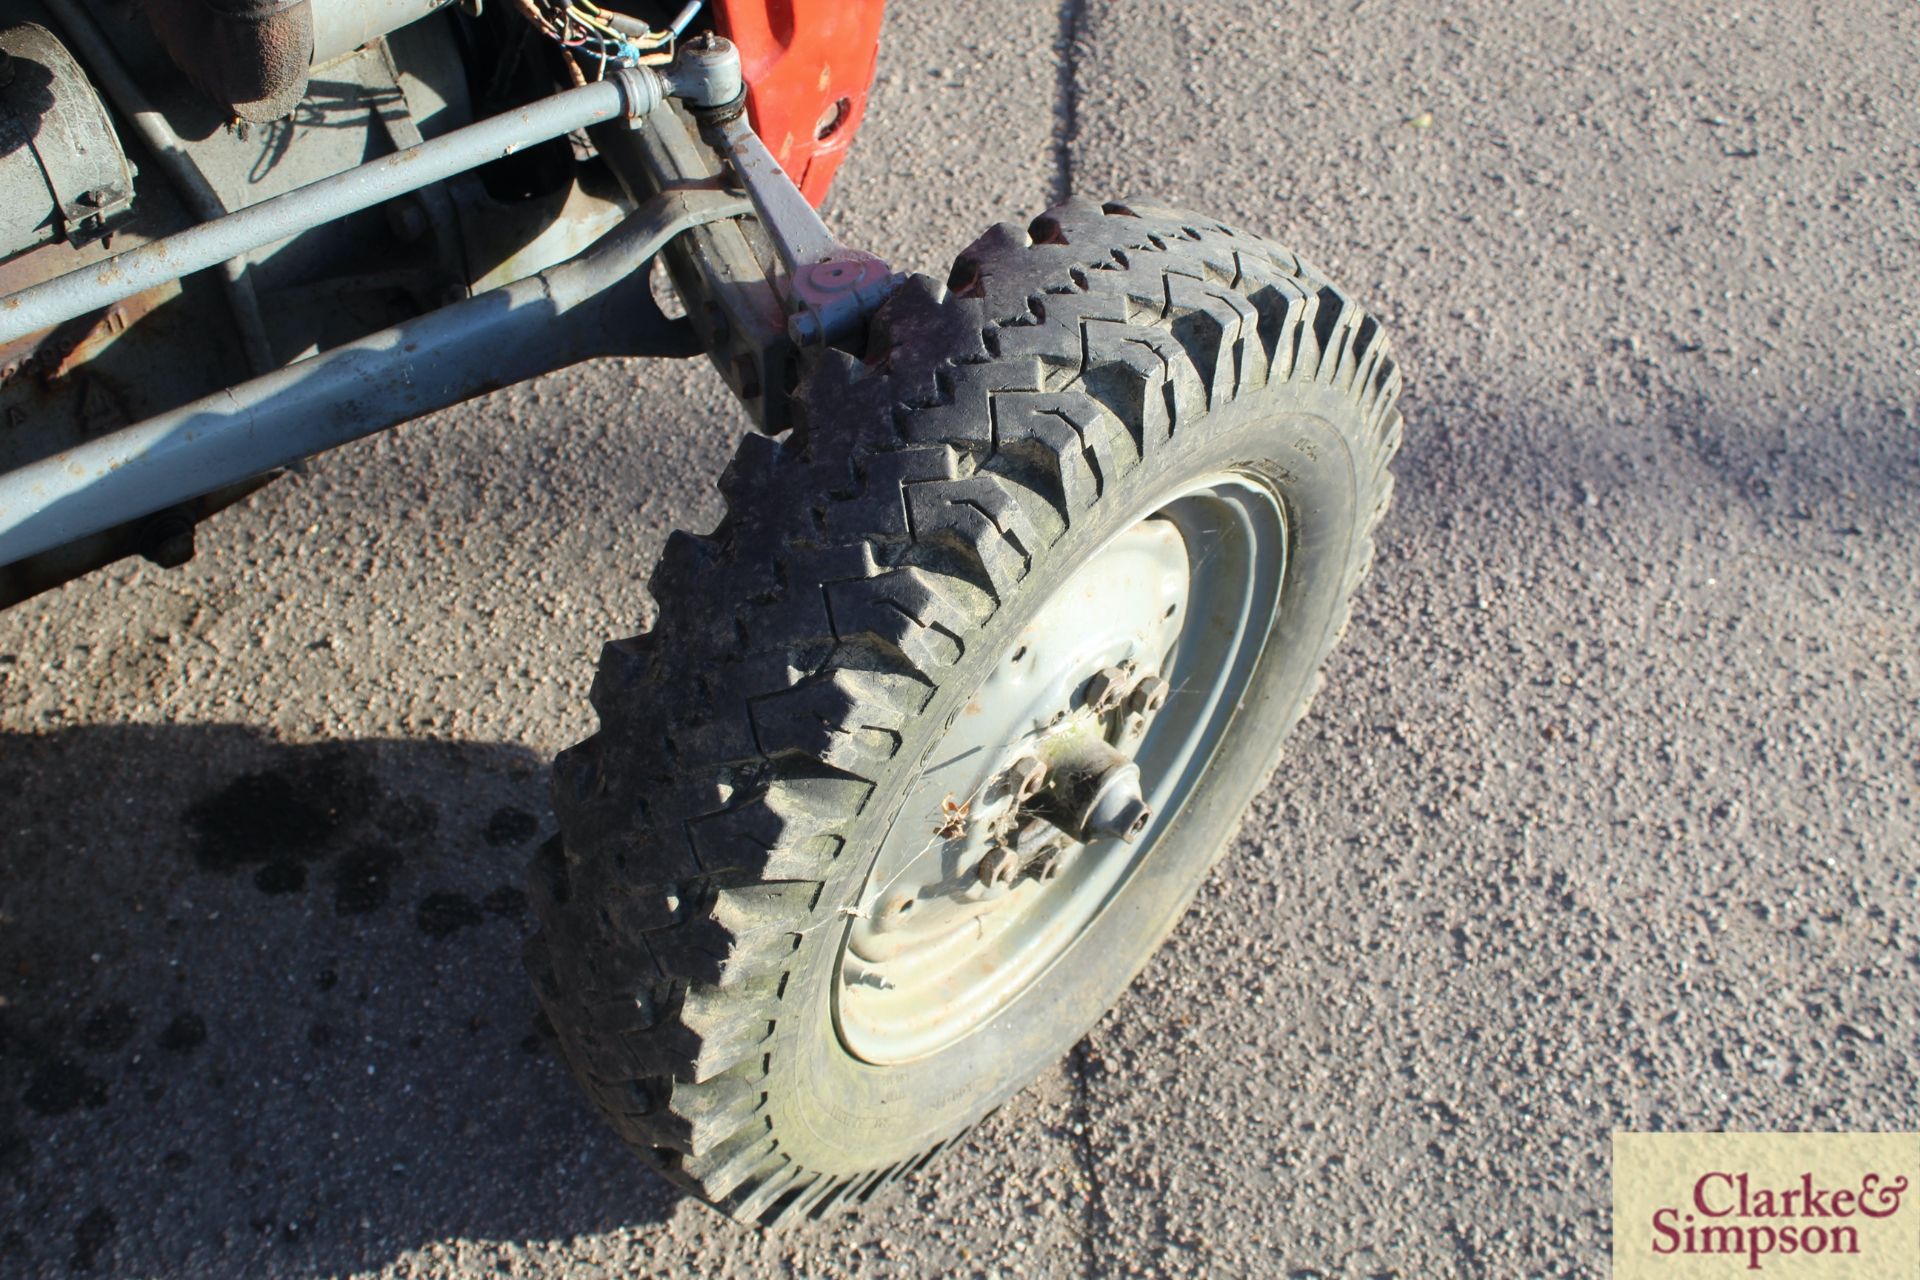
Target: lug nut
1026, 776
1105, 690
998, 867
1149, 695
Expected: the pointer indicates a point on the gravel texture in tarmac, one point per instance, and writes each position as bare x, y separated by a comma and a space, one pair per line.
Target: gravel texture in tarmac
1605, 820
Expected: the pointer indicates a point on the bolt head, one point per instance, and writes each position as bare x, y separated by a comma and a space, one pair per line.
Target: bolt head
1106, 689
834, 275
998, 867
1149, 695
1025, 777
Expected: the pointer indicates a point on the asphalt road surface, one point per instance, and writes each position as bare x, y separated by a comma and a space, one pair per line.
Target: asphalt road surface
1606, 818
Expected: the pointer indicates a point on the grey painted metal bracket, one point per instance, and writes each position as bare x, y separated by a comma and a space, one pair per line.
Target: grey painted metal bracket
831, 288
597, 303
834, 288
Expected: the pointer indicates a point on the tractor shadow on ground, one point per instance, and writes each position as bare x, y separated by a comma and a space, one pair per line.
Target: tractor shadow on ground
261, 1011
264, 1013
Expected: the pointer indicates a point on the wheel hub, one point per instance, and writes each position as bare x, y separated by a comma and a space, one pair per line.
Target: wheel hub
1047, 789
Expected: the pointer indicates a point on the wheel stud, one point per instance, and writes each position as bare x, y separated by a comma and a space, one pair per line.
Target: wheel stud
998, 867
1025, 778
1149, 695
1032, 835
1106, 689
1051, 861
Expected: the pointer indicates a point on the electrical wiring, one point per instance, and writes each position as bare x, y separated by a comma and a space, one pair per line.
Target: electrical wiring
599, 37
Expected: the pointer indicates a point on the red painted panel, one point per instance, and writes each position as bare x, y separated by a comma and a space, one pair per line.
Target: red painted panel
808, 66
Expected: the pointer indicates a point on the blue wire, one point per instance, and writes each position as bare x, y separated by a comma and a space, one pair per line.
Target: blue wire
685, 16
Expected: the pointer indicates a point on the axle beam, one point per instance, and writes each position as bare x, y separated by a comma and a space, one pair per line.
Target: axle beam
595, 304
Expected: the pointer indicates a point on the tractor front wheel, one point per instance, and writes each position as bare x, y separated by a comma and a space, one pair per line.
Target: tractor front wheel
941, 728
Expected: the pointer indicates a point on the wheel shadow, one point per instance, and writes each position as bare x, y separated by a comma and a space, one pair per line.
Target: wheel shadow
264, 1013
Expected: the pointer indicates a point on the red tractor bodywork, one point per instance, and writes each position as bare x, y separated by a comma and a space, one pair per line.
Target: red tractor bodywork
808, 65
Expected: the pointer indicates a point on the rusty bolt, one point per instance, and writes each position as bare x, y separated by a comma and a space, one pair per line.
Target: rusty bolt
1105, 689
998, 868
1026, 776
1149, 695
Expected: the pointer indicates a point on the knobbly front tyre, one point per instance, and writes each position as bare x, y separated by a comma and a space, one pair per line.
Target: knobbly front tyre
938, 732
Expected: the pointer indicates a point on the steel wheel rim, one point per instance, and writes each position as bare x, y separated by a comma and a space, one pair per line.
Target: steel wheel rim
931, 952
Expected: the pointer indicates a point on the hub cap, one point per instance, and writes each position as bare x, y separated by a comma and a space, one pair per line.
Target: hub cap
1053, 783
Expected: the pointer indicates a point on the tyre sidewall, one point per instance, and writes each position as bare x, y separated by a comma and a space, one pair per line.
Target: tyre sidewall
836, 1113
